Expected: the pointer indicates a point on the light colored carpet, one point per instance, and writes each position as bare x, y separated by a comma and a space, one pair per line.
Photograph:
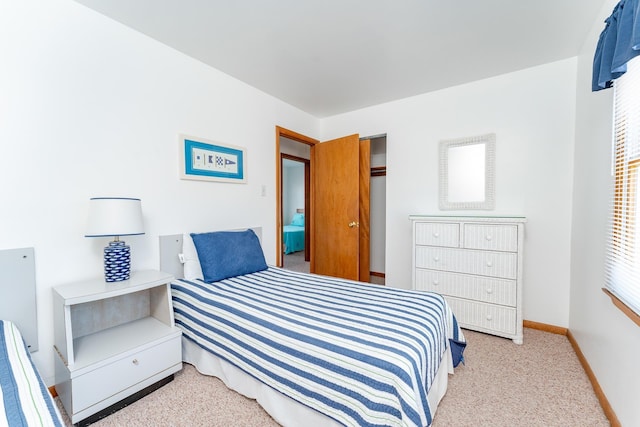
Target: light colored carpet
537, 384
295, 262
540, 383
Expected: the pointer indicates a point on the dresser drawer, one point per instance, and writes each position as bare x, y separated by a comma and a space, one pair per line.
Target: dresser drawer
484, 263
123, 373
491, 237
437, 234
487, 289
493, 318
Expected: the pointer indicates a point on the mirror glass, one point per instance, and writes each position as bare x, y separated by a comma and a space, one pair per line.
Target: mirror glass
467, 173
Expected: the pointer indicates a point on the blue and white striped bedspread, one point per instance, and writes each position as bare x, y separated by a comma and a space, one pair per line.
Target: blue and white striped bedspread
361, 354
24, 400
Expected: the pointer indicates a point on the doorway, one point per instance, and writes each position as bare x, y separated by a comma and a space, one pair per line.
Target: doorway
295, 205
378, 197
289, 146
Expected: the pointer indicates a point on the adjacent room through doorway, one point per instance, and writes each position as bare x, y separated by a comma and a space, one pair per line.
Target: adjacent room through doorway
294, 207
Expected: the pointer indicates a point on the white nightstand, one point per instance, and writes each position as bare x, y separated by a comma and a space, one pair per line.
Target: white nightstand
115, 342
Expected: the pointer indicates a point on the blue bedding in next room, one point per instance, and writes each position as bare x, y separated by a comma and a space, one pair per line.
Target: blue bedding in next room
293, 238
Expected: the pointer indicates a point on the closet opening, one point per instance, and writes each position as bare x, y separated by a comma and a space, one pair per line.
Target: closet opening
378, 207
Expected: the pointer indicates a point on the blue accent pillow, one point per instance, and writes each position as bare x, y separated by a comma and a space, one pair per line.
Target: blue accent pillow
298, 219
225, 254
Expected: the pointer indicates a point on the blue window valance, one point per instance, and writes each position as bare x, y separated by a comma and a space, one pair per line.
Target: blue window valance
619, 42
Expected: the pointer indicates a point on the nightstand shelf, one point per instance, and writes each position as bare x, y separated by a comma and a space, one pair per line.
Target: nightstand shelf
97, 347
113, 340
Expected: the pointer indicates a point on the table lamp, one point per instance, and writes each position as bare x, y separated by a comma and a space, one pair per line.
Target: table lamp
115, 217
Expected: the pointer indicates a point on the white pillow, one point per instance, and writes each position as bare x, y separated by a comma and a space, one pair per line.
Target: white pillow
191, 265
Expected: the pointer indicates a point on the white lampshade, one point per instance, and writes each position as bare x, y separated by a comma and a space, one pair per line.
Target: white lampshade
114, 216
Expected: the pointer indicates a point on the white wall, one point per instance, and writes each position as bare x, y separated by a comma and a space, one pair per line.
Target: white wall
608, 339
378, 208
295, 148
292, 189
378, 221
92, 108
532, 113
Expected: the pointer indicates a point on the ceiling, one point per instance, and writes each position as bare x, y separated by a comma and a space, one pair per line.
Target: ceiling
328, 57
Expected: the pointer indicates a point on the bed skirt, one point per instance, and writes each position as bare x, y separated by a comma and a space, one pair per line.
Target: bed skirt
286, 411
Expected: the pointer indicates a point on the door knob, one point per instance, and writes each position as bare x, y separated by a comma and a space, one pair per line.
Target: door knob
354, 224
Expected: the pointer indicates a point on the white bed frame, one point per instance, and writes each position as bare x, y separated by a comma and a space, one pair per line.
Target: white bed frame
18, 292
283, 409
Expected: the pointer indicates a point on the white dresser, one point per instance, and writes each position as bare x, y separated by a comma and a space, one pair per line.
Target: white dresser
476, 263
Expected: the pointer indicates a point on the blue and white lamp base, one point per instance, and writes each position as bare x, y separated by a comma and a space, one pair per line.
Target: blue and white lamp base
117, 261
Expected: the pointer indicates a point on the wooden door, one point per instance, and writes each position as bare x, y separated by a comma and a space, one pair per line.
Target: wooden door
341, 210
364, 198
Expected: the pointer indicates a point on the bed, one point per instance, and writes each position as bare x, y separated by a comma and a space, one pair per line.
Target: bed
24, 400
293, 234
312, 350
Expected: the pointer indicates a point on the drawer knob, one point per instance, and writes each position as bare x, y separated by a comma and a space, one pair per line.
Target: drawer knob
489, 291
436, 282
436, 234
489, 263
436, 258
135, 362
489, 317
488, 237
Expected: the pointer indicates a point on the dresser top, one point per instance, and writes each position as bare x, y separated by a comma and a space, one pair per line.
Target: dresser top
469, 218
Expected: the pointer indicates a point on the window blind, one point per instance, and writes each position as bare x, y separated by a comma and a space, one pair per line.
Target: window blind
622, 274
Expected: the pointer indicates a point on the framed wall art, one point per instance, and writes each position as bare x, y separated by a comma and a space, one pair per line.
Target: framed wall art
205, 160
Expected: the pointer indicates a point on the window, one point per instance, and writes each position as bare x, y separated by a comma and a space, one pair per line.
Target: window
623, 252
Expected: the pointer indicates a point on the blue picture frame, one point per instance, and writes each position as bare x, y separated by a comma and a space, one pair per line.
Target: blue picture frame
202, 159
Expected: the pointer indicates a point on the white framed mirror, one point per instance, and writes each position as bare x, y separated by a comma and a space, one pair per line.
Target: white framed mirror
467, 175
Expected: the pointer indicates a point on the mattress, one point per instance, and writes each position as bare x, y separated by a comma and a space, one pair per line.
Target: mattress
293, 238
356, 353
24, 400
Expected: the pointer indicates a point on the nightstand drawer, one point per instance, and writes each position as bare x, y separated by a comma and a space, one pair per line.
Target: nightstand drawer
491, 237
123, 373
437, 234
484, 263
486, 289
487, 317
